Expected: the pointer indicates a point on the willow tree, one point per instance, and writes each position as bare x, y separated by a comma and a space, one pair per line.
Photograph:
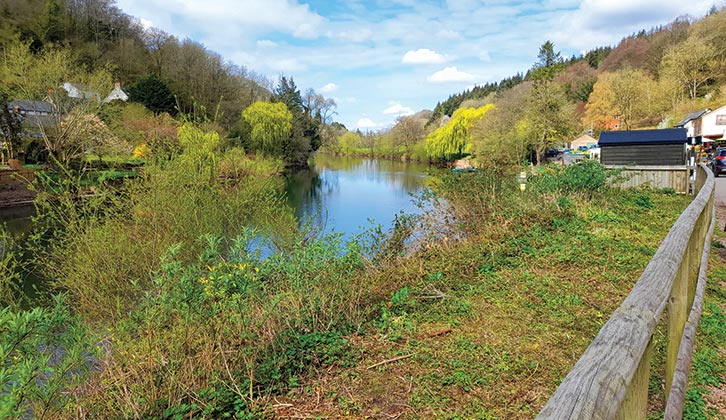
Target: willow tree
270, 127
454, 139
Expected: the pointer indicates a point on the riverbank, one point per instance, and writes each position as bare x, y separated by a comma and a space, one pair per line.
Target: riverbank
14, 189
481, 319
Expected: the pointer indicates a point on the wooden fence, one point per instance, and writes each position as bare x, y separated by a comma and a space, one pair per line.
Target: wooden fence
610, 381
676, 177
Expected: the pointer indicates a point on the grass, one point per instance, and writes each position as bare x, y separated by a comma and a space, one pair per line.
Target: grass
481, 320
705, 397
493, 325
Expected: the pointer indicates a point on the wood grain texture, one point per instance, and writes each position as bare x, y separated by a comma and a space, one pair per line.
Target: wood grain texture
677, 394
596, 386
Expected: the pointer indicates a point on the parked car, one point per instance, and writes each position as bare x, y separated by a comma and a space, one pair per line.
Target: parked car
718, 163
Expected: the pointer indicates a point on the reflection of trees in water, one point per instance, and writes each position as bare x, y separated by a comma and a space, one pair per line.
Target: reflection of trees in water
307, 192
310, 192
404, 175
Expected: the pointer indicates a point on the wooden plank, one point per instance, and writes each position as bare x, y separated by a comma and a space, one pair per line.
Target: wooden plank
677, 394
635, 405
597, 384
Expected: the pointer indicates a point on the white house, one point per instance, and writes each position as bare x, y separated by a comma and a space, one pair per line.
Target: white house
117, 94
713, 124
692, 123
79, 92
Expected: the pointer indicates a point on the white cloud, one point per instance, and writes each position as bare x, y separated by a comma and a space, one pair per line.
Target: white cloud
146, 23
236, 17
423, 56
366, 123
266, 43
448, 35
330, 87
285, 65
398, 110
450, 75
597, 22
357, 35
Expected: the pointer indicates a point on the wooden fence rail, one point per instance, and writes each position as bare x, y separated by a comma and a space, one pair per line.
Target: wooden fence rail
610, 381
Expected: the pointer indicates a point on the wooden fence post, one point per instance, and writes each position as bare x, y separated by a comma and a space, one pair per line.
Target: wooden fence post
635, 404
677, 315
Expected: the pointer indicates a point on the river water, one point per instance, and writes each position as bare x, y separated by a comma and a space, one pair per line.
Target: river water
346, 194
340, 194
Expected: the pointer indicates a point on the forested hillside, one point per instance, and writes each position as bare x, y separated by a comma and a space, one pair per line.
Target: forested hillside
45, 44
650, 79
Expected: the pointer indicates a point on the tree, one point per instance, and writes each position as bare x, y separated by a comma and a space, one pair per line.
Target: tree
600, 108
271, 124
305, 132
549, 63
629, 93
632, 52
72, 129
498, 139
453, 139
153, 94
349, 141
10, 127
692, 64
578, 81
408, 131
549, 118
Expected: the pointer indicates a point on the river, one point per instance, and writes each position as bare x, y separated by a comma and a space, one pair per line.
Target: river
341, 194
346, 194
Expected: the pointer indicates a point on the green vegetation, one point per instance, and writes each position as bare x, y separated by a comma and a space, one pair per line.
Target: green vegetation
651, 79
709, 364
502, 288
452, 140
189, 291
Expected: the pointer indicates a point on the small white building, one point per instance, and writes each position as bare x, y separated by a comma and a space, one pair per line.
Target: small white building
692, 123
583, 140
117, 94
713, 124
79, 92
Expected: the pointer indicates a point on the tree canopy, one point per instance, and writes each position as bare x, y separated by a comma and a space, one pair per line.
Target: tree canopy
453, 139
271, 124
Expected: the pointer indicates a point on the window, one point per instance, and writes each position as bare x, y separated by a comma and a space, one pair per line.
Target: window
617, 117
616, 126
721, 119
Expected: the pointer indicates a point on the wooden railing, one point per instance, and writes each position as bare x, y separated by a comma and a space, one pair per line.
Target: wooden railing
610, 381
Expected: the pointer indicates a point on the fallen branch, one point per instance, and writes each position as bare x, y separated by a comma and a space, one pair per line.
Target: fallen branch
438, 333
395, 359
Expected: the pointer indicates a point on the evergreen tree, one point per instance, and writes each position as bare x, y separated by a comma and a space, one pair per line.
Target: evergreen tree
153, 94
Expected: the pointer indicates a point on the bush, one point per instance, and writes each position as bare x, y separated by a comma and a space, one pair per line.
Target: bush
587, 177
46, 354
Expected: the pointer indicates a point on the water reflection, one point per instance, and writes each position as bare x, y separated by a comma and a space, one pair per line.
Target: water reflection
344, 193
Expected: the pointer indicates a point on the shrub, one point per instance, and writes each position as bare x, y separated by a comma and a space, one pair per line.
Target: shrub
587, 177
46, 355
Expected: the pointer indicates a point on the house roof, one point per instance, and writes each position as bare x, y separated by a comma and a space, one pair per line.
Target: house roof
27, 105
692, 116
630, 137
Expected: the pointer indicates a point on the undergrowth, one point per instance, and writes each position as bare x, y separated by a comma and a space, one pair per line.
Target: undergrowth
475, 310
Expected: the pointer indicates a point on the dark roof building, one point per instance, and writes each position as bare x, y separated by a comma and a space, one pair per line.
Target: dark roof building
34, 116
691, 117
644, 147
27, 107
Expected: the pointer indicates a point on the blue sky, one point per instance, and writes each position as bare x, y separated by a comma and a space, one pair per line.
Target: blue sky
383, 59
